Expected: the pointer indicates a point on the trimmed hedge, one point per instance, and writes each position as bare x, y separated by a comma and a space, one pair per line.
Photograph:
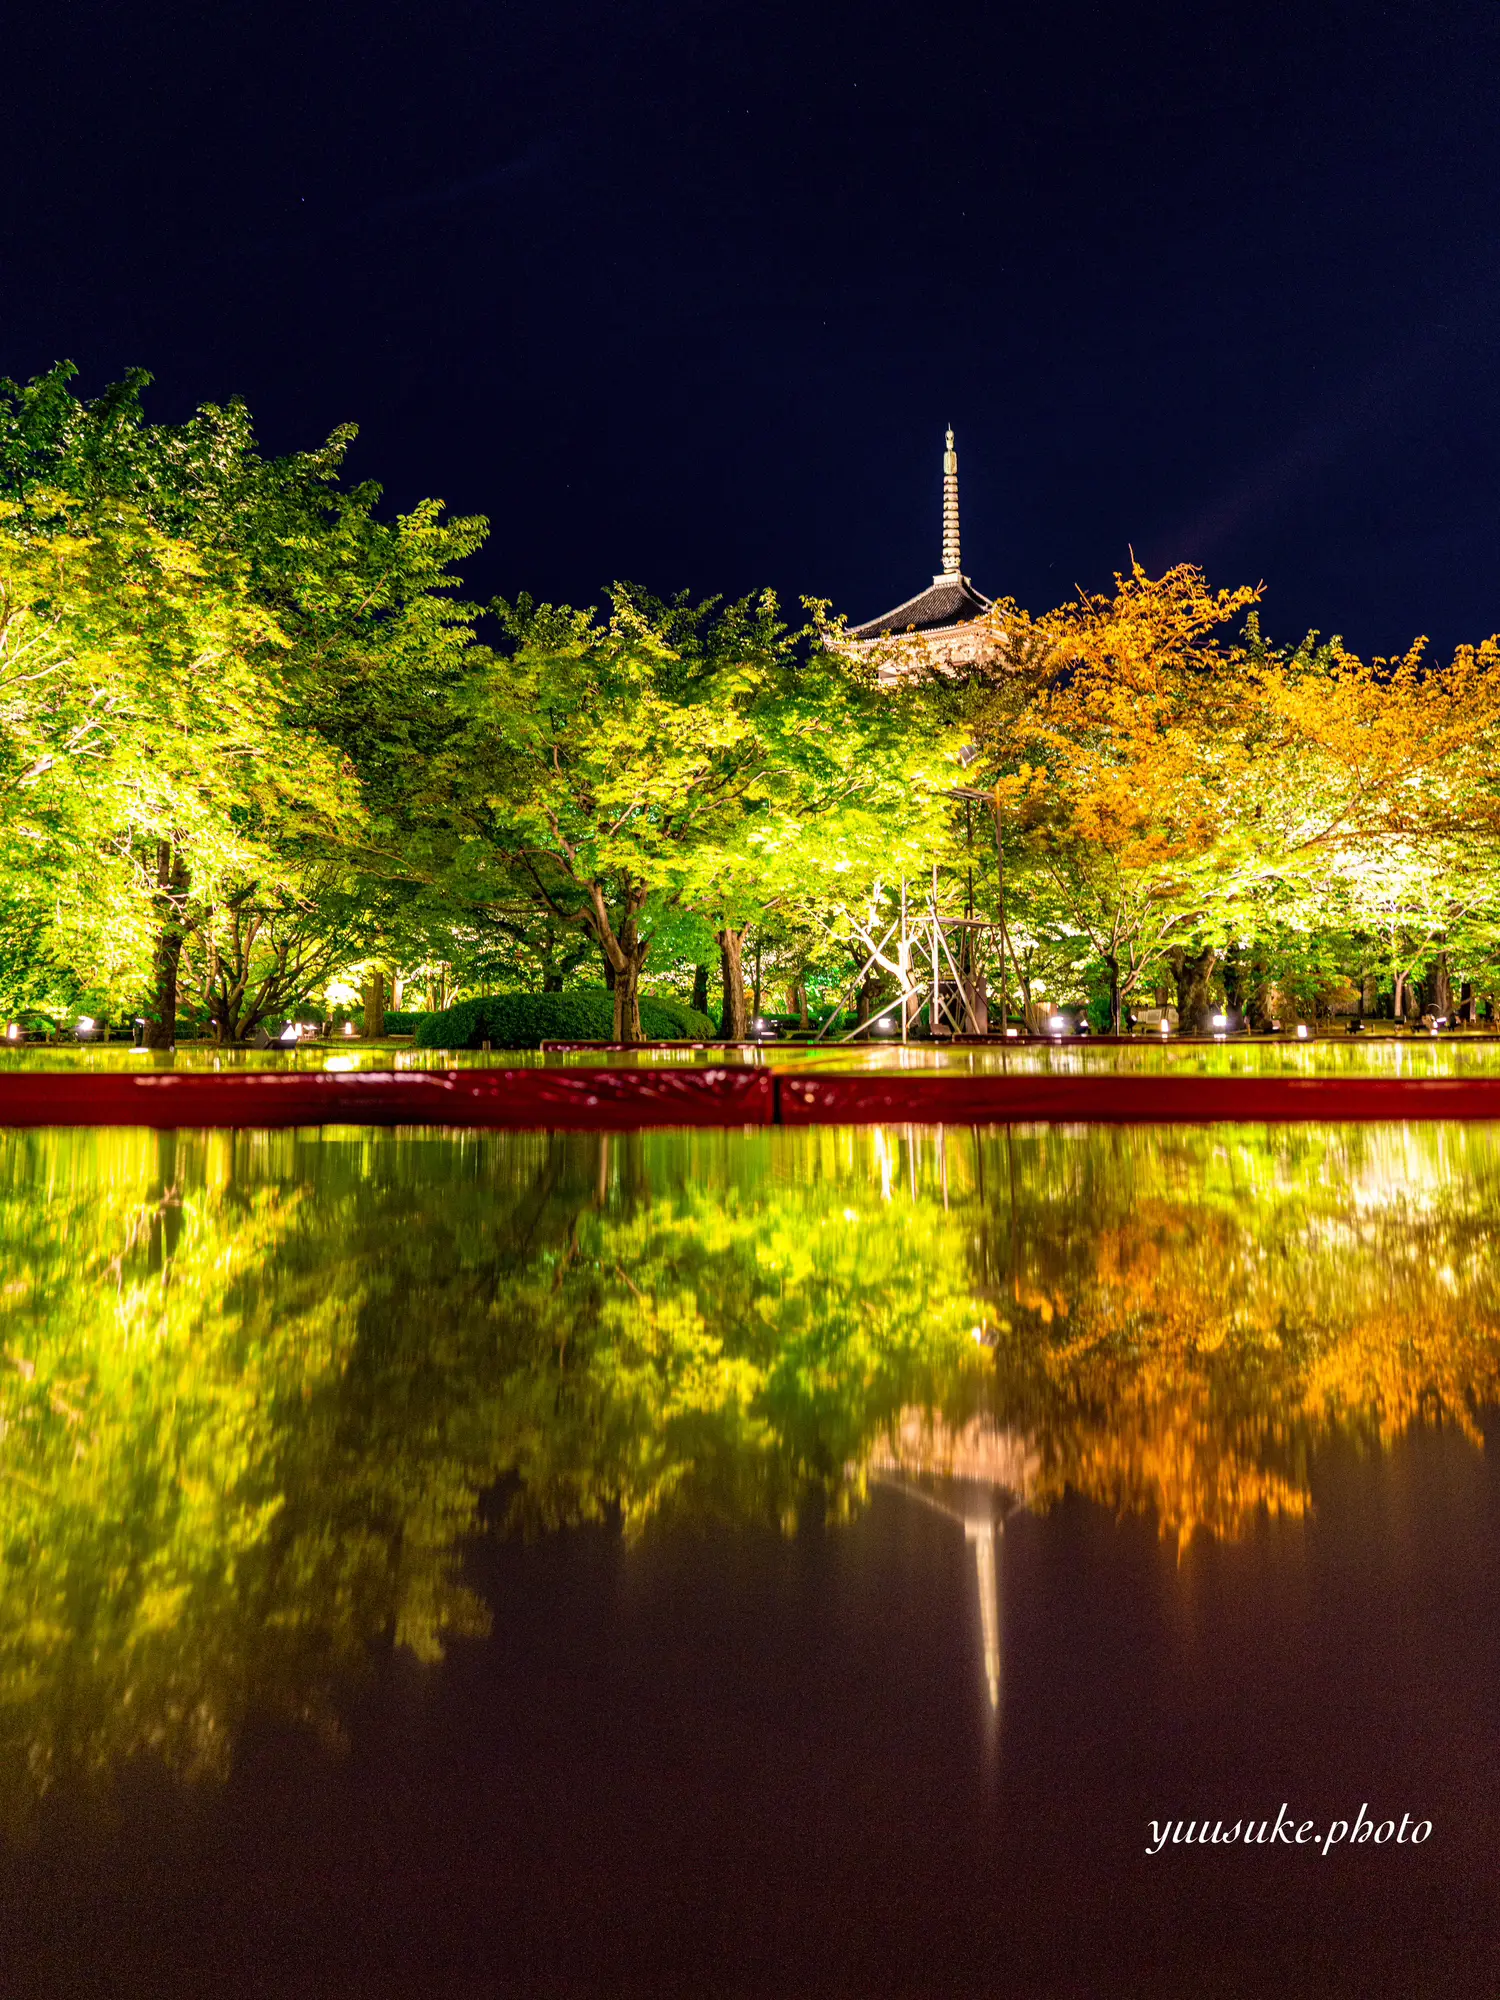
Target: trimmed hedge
404, 1022
686, 1023
526, 1020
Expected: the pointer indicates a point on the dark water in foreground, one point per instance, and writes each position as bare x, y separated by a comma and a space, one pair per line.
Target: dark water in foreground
774, 1564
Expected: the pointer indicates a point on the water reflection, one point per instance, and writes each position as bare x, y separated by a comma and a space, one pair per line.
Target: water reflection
254, 1386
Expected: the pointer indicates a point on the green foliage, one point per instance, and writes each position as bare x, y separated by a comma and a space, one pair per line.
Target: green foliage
526, 1020
233, 672
404, 1022
149, 758
250, 743
1100, 1013
676, 762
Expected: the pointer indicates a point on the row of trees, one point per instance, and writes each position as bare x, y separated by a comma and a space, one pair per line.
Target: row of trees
253, 740
1193, 808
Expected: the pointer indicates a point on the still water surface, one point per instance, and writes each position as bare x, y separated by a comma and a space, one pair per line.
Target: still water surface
765, 1564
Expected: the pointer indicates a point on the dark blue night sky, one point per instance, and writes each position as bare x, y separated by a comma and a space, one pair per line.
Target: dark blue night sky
688, 292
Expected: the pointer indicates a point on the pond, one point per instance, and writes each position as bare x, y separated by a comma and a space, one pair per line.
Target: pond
784, 1562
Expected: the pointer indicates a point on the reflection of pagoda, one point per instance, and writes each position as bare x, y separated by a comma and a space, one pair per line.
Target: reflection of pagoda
943, 625
977, 1477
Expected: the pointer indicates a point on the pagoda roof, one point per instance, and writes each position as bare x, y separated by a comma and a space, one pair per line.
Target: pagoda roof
947, 600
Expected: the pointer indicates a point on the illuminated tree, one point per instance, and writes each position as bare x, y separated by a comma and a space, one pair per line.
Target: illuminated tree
671, 760
241, 646
1122, 767
150, 761
1377, 797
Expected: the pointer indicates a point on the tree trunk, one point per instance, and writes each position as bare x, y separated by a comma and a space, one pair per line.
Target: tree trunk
734, 1022
375, 1005
1194, 1009
797, 994
1406, 1001
1258, 1002
1442, 987
1028, 1002
1006, 948
1114, 995
161, 1007
1236, 978
628, 1000
700, 989
171, 888
625, 953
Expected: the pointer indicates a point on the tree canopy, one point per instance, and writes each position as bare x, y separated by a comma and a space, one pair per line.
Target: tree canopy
257, 751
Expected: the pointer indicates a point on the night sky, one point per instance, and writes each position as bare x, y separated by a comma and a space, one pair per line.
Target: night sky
687, 292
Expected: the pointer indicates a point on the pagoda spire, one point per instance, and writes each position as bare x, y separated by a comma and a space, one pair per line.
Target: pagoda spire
952, 563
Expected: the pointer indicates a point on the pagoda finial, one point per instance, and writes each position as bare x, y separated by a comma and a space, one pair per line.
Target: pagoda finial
952, 562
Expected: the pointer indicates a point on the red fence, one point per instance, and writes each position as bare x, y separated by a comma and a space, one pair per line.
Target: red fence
1126, 1100
535, 1099
621, 1099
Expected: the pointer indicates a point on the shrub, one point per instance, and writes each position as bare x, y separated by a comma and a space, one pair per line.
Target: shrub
682, 1023
526, 1020
404, 1023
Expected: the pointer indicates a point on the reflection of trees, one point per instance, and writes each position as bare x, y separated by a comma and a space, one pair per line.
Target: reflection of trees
1180, 1314
738, 1339
254, 1386
146, 1377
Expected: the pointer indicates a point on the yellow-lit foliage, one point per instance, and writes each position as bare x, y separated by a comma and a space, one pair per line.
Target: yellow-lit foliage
1357, 751
1123, 758
1375, 796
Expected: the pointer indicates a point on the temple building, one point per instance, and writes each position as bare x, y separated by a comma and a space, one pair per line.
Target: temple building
944, 625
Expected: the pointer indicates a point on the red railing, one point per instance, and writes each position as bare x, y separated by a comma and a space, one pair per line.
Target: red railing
621, 1099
